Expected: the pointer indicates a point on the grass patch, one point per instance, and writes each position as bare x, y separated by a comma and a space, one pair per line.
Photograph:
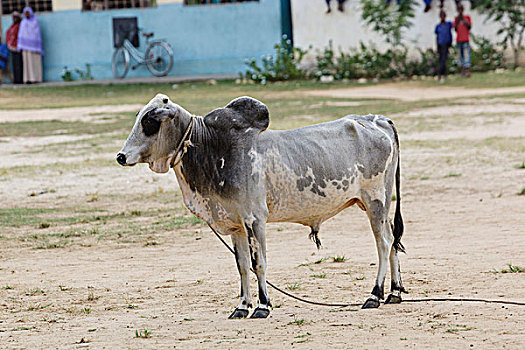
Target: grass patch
317, 262
460, 328
297, 321
55, 245
190, 94
522, 192
294, 286
339, 259
321, 275
511, 269
520, 166
22, 216
142, 333
507, 78
452, 175
59, 127
35, 291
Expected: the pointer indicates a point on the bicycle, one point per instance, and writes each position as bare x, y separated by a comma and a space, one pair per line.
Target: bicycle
158, 57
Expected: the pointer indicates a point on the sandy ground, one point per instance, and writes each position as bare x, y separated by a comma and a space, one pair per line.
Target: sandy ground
397, 91
463, 222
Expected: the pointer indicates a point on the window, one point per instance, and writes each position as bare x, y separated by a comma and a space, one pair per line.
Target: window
100, 5
206, 2
9, 6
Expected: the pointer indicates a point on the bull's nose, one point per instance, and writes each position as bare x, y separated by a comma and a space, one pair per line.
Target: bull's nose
121, 158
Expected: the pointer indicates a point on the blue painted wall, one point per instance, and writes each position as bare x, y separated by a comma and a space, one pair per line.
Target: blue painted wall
205, 39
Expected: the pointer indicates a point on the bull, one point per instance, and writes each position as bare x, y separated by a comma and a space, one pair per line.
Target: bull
236, 176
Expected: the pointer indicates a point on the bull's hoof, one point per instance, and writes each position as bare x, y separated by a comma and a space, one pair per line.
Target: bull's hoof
370, 303
238, 313
260, 313
393, 299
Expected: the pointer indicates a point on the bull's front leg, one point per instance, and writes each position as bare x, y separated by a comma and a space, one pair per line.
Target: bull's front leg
256, 232
242, 258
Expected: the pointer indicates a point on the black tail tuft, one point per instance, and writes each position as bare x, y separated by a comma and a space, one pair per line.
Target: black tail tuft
398, 226
313, 236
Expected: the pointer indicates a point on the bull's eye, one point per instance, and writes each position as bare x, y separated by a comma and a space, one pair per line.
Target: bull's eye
150, 125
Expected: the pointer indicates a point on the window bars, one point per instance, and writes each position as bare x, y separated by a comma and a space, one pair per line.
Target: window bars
9, 6
206, 2
101, 5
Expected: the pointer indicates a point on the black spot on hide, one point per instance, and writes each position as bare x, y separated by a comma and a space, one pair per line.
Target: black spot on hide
150, 125
315, 189
304, 182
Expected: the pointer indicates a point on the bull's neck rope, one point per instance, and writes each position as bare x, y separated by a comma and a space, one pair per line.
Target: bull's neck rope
183, 144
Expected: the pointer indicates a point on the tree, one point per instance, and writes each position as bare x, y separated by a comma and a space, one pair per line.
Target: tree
510, 16
389, 22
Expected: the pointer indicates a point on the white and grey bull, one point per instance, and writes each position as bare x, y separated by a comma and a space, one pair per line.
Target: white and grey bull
236, 176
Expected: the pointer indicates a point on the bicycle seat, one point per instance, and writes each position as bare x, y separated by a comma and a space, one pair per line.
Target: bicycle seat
147, 35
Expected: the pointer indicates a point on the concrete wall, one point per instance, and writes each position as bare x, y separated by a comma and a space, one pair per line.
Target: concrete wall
312, 26
205, 39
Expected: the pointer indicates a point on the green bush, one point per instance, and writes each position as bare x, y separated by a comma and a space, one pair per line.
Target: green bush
368, 62
485, 56
283, 66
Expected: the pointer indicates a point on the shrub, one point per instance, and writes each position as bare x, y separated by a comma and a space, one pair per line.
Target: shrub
485, 56
284, 65
367, 62
66, 74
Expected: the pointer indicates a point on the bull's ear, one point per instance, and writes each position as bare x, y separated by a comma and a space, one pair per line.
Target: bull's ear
254, 112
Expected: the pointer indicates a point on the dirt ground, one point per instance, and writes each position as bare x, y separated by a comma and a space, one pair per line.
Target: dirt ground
107, 257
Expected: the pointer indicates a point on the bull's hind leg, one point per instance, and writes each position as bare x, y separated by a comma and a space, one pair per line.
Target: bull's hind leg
255, 229
378, 214
242, 258
396, 287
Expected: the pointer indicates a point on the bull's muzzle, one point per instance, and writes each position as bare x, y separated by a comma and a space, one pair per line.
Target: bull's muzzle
121, 158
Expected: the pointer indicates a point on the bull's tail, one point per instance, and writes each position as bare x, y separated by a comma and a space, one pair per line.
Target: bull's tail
398, 226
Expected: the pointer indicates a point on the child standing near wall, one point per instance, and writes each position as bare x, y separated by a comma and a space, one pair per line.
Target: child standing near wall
462, 25
443, 33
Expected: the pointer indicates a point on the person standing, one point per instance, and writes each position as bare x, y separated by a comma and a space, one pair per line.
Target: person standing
12, 44
340, 5
462, 25
4, 59
30, 43
443, 33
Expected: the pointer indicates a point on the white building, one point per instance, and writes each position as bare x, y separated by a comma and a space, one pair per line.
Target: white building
312, 26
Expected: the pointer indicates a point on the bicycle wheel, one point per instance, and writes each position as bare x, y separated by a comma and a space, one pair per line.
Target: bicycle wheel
159, 58
120, 63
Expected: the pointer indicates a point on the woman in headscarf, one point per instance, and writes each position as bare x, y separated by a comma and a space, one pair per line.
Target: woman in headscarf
12, 45
30, 43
